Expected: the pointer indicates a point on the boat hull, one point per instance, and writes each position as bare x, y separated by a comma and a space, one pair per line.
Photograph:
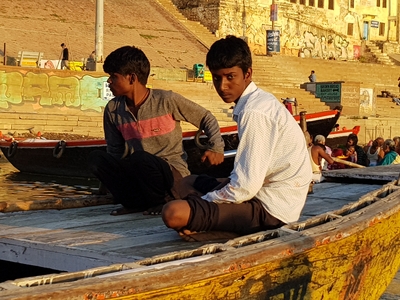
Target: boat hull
339, 255
337, 138
38, 156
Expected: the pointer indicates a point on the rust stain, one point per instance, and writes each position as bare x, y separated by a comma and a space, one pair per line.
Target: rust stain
374, 221
287, 252
326, 240
357, 274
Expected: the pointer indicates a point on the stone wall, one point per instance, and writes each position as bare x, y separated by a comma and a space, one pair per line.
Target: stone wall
204, 11
389, 47
304, 30
350, 98
371, 128
59, 101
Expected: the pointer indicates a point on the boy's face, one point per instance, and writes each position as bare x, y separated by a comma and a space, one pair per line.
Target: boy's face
351, 150
119, 84
230, 83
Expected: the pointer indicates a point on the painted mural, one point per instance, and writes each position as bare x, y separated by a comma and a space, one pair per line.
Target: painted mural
367, 101
312, 44
83, 92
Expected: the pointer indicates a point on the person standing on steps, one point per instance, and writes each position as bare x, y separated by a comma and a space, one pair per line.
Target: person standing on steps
64, 57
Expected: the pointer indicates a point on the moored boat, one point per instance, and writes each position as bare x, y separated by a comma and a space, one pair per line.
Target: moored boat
69, 158
339, 137
347, 253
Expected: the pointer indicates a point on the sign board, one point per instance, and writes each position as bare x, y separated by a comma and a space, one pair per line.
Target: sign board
374, 24
273, 12
328, 92
107, 95
207, 76
273, 42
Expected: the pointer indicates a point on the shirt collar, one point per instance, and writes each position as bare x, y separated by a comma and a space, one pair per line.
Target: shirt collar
243, 98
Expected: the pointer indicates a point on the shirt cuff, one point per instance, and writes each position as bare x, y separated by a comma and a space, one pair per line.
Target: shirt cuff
207, 198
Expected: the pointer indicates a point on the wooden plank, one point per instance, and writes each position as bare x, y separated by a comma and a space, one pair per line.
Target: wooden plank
386, 173
56, 257
56, 203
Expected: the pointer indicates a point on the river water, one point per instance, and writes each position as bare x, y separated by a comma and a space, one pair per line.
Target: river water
16, 186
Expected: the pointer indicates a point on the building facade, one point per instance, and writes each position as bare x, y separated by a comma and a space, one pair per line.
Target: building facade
331, 29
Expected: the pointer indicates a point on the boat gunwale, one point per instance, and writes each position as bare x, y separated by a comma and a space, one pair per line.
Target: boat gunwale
188, 135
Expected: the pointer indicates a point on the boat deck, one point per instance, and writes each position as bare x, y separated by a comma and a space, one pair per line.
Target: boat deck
83, 238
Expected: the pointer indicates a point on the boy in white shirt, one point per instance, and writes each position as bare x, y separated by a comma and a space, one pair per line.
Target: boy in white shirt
272, 172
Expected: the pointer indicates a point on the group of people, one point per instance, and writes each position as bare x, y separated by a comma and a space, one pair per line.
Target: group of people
65, 57
145, 169
383, 152
375, 153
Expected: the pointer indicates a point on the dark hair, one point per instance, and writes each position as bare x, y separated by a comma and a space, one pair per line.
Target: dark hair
353, 137
128, 60
228, 53
62, 45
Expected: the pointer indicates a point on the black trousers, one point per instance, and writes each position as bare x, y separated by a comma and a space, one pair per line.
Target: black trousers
244, 218
139, 181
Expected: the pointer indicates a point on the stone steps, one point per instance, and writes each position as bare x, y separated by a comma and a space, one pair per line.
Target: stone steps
201, 32
382, 58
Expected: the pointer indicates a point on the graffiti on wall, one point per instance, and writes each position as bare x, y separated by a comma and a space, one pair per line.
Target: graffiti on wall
246, 21
367, 103
313, 44
50, 90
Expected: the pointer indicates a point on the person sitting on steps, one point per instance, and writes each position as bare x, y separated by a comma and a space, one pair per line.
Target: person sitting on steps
312, 77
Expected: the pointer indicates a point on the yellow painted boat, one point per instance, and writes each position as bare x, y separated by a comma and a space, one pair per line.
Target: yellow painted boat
349, 253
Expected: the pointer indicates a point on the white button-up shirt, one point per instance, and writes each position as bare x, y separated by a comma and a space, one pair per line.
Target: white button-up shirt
272, 163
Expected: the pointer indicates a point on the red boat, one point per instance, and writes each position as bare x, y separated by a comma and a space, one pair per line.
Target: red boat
336, 138
69, 158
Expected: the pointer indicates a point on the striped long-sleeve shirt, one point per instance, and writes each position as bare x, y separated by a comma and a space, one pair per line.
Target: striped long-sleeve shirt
157, 127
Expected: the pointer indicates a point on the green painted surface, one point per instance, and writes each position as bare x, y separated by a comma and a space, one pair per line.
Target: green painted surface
328, 92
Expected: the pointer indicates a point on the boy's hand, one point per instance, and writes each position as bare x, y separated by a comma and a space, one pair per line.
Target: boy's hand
213, 158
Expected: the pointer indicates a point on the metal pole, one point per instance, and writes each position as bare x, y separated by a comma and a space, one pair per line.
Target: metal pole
5, 55
273, 20
99, 30
244, 25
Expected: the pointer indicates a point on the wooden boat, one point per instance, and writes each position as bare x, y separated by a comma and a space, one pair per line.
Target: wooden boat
336, 138
348, 253
69, 158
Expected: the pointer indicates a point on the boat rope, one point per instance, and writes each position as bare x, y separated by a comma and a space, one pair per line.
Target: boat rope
12, 149
197, 141
59, 149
